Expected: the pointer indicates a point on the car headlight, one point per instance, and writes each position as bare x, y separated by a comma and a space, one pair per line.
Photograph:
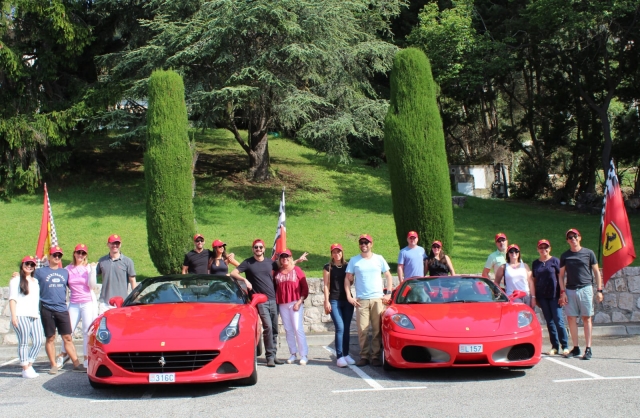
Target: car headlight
103, 335
232, 330
524, 318
403, 321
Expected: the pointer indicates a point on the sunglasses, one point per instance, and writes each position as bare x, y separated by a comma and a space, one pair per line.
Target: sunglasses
543, 247
223, 246
115, 243
57, 255
30, 265
81, 252
572, 237
258, 247
500, 240
284, 256
364, 243
435, 246
199, 240
513, 251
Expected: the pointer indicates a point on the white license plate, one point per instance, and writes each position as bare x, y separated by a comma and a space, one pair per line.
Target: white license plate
470, 348
162, 377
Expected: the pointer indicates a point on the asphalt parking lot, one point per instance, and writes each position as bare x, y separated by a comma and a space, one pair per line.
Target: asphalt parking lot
607, 385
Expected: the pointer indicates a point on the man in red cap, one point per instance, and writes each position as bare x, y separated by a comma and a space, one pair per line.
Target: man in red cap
498, 257
117, 273
581, 266
365, 270
196, 261
259, 279
411, 258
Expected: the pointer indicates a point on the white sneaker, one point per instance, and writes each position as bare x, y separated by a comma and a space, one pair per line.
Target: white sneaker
304, 361
32, 371
342, 362
28, 374
349, 360
291, 359
62, 359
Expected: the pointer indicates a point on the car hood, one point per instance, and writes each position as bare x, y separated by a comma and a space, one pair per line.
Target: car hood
175, 321
456, 319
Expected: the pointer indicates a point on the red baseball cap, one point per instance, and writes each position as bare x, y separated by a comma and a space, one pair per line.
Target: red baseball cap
500, 235
257, 241
55, 249
81, 247
436, 242
196, 236
543, 242
367, 237
412, 234
336, 245
114, 238
28, 259
572, 230
286, 251
217, 243
510, 247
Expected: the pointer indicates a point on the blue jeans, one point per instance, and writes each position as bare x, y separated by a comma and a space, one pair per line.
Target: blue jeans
341, 314
555, 322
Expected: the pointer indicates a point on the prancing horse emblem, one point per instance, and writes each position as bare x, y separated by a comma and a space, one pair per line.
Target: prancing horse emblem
162, 362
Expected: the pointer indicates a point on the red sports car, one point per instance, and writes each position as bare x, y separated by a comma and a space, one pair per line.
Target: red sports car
458, 322
177, 329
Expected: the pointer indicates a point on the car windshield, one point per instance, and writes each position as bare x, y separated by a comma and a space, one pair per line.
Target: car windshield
446, 289
193, 288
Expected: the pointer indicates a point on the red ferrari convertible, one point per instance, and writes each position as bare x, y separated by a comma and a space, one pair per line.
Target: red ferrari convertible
458, 322
177, 329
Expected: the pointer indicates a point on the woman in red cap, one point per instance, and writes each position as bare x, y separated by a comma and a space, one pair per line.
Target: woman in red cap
24, 304
220, 260
517, 276
291, 291
337, 305
83, 303
438, 263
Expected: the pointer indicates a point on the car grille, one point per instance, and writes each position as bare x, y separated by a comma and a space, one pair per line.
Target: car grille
521, 352
163, 361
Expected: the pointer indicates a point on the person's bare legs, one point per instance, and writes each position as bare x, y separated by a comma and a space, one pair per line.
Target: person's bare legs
50, 348
588, 327
70, 349
573, 329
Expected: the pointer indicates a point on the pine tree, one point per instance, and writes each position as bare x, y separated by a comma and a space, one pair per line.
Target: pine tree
168, 173
415, 149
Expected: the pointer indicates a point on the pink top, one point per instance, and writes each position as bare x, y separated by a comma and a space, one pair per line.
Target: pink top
79, 283
291, 286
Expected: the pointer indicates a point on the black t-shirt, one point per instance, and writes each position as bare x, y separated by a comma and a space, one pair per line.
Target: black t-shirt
578, 267
198, 263
546, 275
220, 269
260, 275
336, 282
437, 267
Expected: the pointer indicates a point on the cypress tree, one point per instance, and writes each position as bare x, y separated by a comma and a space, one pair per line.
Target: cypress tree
416, 155
168, 173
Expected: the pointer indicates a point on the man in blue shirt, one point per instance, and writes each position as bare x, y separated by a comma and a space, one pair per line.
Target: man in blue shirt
53, 309
365, 269
411, 258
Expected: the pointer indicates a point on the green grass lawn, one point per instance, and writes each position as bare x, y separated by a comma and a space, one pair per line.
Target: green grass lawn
326, 203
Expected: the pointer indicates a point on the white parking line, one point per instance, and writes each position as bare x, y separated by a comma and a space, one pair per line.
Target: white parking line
15, 360
562, 363
593, 378
375, 386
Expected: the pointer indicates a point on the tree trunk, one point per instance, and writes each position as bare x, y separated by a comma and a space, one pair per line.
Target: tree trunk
259, 165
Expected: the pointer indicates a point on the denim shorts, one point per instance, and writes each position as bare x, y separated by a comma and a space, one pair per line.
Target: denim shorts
580, 302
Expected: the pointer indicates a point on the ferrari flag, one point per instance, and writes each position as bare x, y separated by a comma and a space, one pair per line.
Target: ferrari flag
618, 251
280, 242
47, 237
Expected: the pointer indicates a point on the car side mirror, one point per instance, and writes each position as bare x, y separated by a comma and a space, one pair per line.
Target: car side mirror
116, 301
258, 298
517, 294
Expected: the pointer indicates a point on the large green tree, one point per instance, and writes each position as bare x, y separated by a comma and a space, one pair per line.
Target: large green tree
414, 144
295, 65
168, 173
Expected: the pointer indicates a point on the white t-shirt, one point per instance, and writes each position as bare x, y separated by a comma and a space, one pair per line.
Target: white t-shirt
367, 273
26, 305
516, 279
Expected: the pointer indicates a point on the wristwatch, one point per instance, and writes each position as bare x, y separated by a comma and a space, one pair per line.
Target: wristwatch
599, 290
387, 292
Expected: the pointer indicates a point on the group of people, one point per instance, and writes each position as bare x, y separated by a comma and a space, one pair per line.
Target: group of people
553, 284
38, 301
38, 297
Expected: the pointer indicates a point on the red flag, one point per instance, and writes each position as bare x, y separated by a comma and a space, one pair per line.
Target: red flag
47, 237
280, 242
618, 251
